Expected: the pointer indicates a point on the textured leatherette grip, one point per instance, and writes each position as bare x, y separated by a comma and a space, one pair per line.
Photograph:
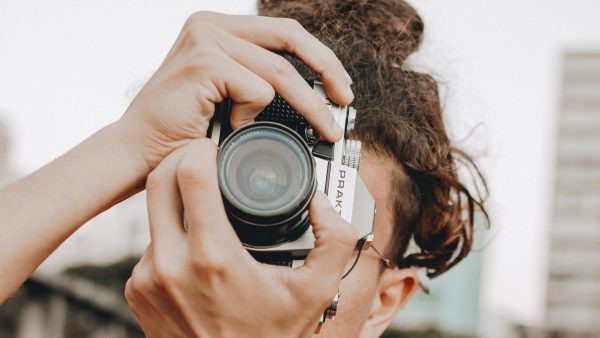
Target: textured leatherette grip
280, 111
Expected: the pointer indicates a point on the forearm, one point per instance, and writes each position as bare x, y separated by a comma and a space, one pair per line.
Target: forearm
38, 212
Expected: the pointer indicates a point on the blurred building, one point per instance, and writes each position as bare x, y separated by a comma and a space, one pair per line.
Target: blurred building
573, 300
573, 291
81, 302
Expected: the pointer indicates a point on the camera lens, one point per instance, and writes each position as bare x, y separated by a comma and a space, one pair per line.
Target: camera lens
261, 179
266, 176
263, 182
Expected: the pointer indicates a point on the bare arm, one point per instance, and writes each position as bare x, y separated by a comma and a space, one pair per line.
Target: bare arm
40, 211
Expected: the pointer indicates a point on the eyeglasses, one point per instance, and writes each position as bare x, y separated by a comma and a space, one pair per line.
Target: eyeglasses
388, 264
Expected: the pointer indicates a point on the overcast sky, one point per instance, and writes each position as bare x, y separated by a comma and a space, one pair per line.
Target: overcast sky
69, 67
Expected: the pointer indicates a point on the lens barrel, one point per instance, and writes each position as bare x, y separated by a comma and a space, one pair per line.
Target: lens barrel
267, 179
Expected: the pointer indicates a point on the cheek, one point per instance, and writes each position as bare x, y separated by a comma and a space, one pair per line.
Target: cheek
358, 291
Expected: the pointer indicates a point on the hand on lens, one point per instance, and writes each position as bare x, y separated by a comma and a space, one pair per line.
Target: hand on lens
218, 56
203, 283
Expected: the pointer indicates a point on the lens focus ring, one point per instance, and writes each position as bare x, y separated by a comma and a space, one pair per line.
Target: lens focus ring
266, 175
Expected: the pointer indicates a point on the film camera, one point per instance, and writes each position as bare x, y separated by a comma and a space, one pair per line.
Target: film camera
269, 170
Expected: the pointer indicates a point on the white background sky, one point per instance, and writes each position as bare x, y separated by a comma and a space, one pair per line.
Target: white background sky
67, 66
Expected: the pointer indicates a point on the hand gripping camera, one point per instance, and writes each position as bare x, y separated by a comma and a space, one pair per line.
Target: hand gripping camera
269, 170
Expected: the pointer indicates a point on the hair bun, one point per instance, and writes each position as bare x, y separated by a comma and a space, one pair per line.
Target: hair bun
389, 30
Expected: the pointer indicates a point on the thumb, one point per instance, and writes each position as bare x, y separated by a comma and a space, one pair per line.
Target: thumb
335, 240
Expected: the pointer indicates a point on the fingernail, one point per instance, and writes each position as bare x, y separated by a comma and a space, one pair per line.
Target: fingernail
337, 130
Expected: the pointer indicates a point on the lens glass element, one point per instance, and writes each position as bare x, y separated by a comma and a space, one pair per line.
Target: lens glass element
265, 171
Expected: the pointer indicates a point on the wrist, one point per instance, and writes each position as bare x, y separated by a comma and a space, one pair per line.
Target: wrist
149, 146
134, 157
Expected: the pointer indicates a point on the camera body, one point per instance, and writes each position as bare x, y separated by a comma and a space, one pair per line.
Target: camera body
270, 169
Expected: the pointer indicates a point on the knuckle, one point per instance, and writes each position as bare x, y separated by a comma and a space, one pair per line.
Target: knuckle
188, 22
133, 298
203, 28
264, 94
294, 33
198, 165
139, 281
163, 274
129, 292
205, 103
199, 66
197, 17
155, 179
209, 260
194, 68
330, 60
209, 263
201, 15
164, 173
292, 25
282, 67
190, 173
158, 279
199, 33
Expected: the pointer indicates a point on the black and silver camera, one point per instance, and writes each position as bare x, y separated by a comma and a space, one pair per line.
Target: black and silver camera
269, 171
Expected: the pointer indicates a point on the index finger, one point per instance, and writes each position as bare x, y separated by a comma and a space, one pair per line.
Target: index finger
164, 203
208, 225
285, 34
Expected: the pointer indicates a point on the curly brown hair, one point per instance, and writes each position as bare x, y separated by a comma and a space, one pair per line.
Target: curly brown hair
399, 116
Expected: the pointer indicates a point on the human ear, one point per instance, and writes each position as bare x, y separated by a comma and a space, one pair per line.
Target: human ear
395, 289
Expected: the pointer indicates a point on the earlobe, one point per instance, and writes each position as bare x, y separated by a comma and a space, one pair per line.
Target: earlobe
395, 289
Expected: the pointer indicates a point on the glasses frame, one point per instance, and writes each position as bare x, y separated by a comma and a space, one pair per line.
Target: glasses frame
389, 264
